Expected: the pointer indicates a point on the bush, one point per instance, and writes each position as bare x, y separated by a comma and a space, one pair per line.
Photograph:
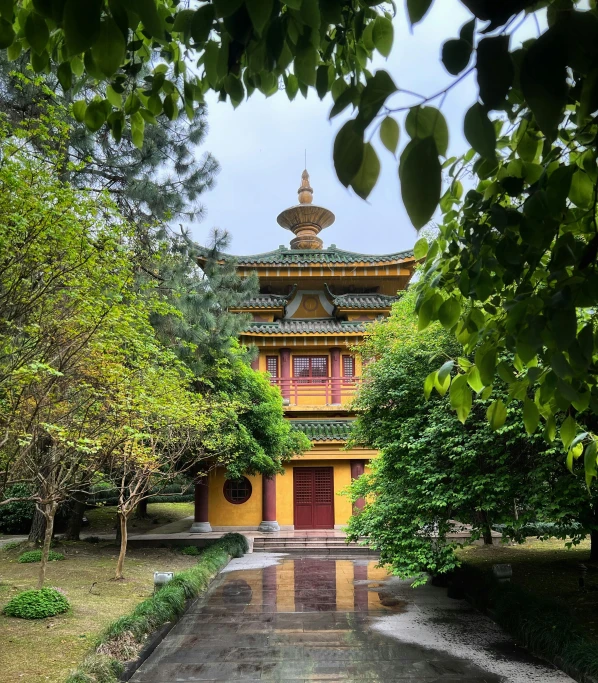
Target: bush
191, 550
236, 545
15, 518
540, 529
11, 545
37, 604
91, 539
36, 556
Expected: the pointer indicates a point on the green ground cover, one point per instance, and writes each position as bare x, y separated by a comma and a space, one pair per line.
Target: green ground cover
102, 520
47, 649
548, 570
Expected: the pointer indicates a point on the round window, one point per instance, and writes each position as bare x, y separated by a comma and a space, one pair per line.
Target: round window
237, 491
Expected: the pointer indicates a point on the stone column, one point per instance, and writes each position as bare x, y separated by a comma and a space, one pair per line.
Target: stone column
269, 522
335, 362
285, 373
201, 524
357, 469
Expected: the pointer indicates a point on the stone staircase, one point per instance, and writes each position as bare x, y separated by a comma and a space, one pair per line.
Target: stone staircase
310, 545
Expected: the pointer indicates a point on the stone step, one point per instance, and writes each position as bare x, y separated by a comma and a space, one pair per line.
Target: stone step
317, 550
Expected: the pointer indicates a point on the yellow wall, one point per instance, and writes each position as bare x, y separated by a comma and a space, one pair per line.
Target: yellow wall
223, 513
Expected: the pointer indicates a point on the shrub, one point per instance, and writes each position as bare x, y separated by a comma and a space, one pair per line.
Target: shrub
191, 550
236, 545
15, 518
540, 529
91, 539
37, 604
36, 556
11, 545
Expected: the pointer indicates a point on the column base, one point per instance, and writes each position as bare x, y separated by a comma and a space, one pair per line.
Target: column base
200, 528
268, 527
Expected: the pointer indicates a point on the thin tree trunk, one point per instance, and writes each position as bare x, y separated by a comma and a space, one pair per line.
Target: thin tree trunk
118, 533
73, 529
38, 528
123, 547
487, 535
594, 545
50, 513
141, 509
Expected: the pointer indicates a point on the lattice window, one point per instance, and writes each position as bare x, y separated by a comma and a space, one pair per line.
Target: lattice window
303, 488
348, 366
323, 486
272, 365
237, 491
310, 367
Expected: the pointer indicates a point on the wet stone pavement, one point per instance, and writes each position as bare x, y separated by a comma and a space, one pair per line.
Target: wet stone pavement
319, 619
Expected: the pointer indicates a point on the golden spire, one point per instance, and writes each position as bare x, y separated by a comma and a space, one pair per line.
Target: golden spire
305, 192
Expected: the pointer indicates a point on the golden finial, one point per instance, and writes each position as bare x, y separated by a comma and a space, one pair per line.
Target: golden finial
305, 192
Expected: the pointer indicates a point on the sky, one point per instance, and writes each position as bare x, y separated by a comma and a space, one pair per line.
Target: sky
261, 145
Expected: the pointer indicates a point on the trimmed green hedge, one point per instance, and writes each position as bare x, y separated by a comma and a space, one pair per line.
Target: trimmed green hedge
545, 627
36, 556
166, 605
37, 604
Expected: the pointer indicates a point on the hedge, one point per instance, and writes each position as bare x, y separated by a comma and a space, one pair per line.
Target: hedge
544, 626
540, 529
123, 638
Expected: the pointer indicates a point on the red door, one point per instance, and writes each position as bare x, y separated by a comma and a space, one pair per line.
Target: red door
313, 497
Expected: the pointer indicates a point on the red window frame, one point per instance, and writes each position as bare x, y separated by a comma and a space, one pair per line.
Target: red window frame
272, 365
237, 491
314, 370
348, 369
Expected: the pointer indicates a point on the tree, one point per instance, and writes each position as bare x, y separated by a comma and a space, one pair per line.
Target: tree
434, 473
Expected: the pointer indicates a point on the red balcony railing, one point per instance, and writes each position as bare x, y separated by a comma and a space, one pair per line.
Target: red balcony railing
317, 390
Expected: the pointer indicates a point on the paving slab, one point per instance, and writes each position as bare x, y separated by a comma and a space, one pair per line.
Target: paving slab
316, 619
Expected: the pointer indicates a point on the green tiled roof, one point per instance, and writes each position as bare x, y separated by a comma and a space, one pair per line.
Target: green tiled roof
364, 300
324, 430
266, 301
316, 326
284, 257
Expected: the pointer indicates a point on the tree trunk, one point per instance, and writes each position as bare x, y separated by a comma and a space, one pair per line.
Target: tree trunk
76, 519
38, 528
118, 533
141, 509
49, 513
487, 535
123, 546
594, 545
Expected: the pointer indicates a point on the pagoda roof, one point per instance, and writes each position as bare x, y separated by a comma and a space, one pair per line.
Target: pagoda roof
315, 326
267, 301
324, 430
364, 301
285, 257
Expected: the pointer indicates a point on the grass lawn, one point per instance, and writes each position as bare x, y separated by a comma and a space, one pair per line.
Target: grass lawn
550, 570
102, 520
46, 650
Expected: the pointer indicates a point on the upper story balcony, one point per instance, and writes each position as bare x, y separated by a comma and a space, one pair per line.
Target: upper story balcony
315, 393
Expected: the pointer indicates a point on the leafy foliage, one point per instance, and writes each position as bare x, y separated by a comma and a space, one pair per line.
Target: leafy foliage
36, 556
192, 550
15, 517
37, 604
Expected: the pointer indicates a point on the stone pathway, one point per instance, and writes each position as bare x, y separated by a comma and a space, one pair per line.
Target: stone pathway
271, 618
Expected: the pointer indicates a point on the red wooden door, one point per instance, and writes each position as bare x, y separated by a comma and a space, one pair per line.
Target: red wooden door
313, 497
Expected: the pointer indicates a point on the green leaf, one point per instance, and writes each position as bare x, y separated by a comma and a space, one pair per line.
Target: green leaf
115, 98
292, 86
543, 78
473, 379
420, 249
224, 8
137, 129
568, 431
495, 70
589, 462
109, 49
531, 416
456, 54
429, 384
259, 13
442, 387
505, 373
365, 179
383, 35
210, 62
310, 13
428, 310
36, 32
79, 108
322, 81
581, 192
65, 75
445, 370
7, 36
496, 414
485, 360
461, 397
550, 429
201, 24
81, 24
305, 64
420, 176
389, 134
376, 92
449, 313
423, 122
95, 116
182, 20
147, 11
348, 152
417, 10
234, 89
480, 132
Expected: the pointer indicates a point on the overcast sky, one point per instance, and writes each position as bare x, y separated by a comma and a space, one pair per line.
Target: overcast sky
260, 147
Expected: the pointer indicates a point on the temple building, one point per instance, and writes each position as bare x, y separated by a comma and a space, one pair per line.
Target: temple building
312, 310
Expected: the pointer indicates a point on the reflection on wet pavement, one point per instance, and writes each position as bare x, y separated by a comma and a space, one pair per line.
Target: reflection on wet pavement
312, 619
